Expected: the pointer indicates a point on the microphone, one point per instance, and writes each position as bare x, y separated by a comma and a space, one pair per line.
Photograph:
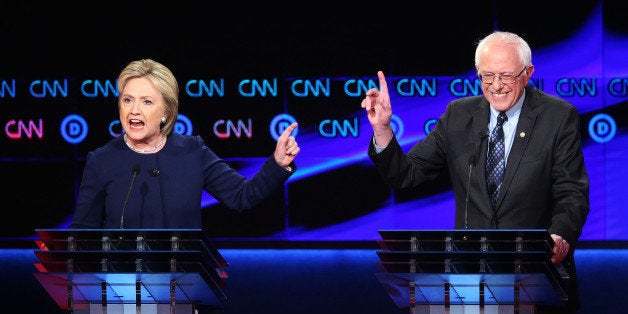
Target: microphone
483, 136
472, 161
136, 170
155, 172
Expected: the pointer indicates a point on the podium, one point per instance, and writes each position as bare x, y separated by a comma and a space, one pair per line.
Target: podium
130, 270
470, 271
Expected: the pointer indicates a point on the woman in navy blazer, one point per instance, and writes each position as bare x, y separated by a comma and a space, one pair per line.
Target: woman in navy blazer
545, 183
151, 177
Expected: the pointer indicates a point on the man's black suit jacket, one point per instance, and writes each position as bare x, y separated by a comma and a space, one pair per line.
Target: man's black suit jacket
545, 185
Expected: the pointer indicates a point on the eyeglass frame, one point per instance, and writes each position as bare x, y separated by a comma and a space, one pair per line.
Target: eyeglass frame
501, 77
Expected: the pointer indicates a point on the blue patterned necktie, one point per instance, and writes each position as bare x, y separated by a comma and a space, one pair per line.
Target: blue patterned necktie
495, 163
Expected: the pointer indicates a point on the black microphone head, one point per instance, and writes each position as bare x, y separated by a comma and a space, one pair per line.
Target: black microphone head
472, 160
155, 172
136, 169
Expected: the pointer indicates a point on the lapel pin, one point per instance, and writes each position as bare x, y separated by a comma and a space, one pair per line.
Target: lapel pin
522, 134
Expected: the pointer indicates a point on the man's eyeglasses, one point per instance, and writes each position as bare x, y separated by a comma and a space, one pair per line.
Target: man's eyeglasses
488, 78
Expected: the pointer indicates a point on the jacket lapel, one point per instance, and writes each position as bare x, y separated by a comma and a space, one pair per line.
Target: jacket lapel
480, 127
527, 117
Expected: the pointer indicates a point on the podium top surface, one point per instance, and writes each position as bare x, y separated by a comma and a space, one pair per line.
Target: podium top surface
51, 234
468, 234
466, 240
116, 244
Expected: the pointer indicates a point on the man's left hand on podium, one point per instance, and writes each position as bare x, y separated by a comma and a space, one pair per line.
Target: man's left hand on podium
560, 249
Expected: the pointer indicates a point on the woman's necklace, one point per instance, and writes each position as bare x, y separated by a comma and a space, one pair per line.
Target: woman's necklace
143, 151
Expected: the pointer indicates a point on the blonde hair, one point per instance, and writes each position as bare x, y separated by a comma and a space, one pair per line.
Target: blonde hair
164, 81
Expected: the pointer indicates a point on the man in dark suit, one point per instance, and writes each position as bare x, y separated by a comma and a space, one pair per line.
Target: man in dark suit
543, 183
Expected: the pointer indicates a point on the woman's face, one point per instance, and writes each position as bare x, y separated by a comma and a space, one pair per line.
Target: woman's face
141, 108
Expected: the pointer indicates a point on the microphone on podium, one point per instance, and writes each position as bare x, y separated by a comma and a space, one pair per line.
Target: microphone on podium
472, 161
136, 171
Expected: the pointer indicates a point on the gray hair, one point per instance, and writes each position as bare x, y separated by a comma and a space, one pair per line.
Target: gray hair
525, 53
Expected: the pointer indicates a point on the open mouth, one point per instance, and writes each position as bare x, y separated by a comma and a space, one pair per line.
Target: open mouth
136, 123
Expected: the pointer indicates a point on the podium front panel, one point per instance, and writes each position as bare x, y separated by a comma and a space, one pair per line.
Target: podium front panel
470, 267
189, 288
464, 289
122, 266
